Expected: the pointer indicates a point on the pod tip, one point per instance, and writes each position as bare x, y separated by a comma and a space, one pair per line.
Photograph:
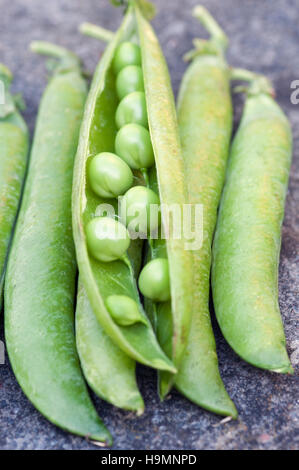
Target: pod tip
140, 411
199, 10
100, 442
288, 369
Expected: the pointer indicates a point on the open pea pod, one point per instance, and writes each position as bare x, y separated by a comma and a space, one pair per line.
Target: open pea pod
108, 370
98, 133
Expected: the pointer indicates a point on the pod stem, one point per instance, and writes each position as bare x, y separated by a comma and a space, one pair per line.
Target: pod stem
145, 176
243, 74
96, 32
218, 37
67, 59
49, 49
257, 83
128, 263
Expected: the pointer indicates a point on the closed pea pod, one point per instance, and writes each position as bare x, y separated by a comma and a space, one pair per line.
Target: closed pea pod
205, 124
205, 121
14, 142
41, 275
248, 236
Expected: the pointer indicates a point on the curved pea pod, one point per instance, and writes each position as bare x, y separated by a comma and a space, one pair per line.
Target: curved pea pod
41, 274
107, 369
248, 236
14, 143
98, 134
205, 123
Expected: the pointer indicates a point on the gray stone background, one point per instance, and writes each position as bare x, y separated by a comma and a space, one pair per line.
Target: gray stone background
264, 37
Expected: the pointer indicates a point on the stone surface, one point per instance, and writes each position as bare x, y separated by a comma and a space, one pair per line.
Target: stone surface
264, 37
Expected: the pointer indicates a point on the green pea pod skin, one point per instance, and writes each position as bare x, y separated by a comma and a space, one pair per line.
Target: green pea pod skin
205, 124
248, 236
107, 369
41, 274
14, 143
103, 279
171, 181
205, 121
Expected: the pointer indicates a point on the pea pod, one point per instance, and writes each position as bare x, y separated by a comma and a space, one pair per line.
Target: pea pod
14, 142
41, 274
248, 236
103, 279
172, 185
107, 369
205, 122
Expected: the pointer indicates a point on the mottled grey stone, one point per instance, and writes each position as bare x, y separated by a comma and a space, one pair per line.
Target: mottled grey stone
264, 37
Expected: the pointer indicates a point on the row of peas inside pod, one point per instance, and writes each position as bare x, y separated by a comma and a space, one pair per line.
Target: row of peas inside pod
110, 176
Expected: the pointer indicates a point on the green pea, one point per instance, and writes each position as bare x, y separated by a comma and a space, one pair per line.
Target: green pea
133, 144
132, 109
127, 53
136, 209
107, 239
128, 80
109, 176
154, 280
124, 310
